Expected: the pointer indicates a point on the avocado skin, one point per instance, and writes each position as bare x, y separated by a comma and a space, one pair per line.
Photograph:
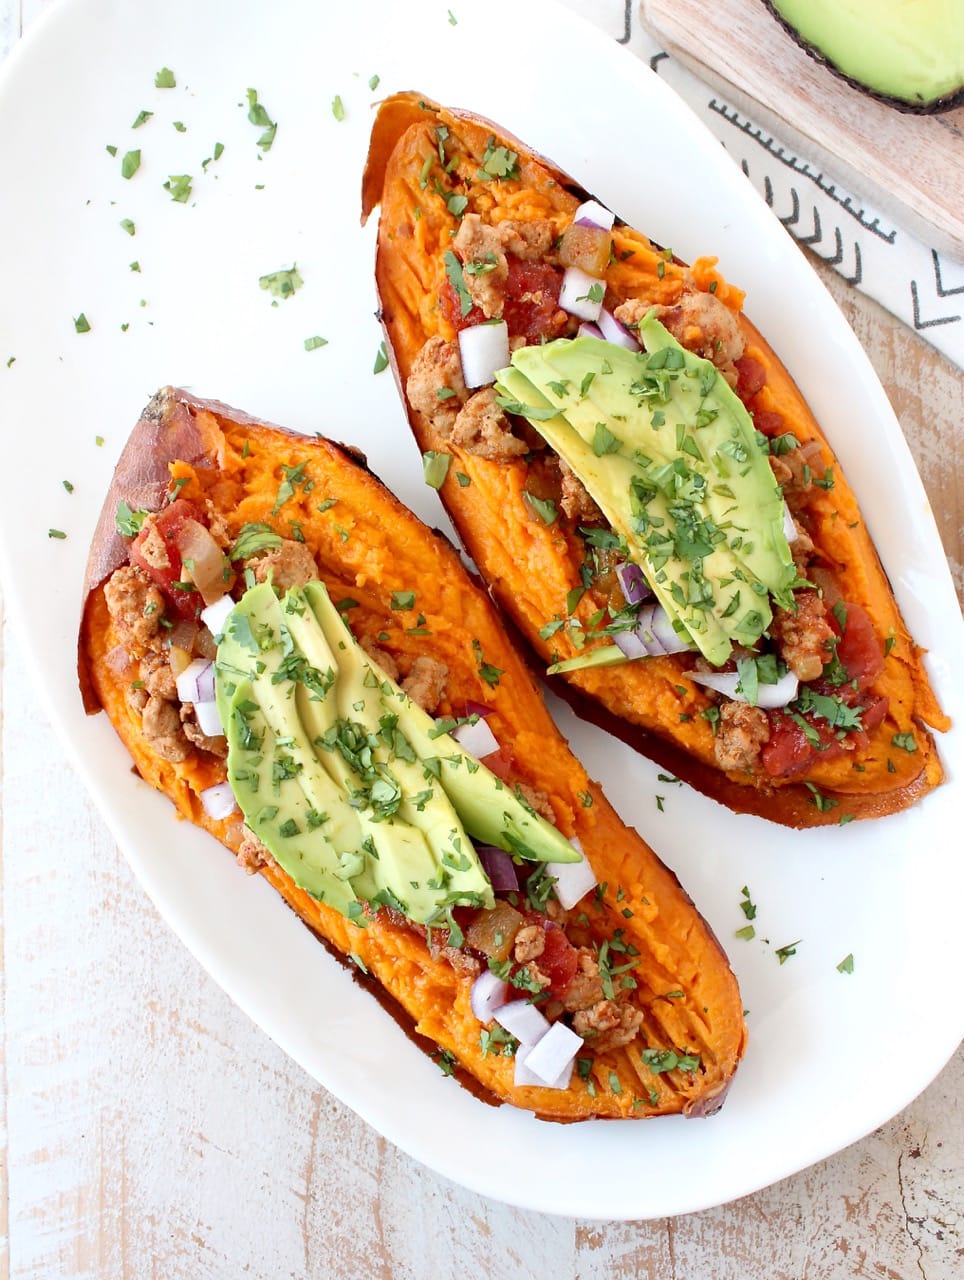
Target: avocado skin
912, 104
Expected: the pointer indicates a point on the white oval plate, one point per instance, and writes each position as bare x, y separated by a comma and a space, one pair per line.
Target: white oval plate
831, 1055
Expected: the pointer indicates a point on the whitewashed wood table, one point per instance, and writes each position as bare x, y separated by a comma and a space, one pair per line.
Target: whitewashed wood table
148, 1129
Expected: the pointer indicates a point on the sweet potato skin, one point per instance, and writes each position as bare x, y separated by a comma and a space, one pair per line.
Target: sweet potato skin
367, 545
531, 568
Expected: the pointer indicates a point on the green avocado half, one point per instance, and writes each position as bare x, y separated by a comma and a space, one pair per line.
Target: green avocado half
908, 53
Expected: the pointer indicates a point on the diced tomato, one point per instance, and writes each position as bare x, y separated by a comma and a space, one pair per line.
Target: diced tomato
859, 648
790, 749
185, 603
751, 377
452, 310
500, 762
530, 306
768, 422
559, 960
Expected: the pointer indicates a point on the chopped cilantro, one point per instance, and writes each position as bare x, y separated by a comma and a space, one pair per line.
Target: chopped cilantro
435, 467
130, 163
81, 323
784, 953
128, 226
544, 508
165, 79
453, 270
142, 118
283, 283
337, 107
259, 116
381, 359
747, 906
312, 344
179, 185
846, 965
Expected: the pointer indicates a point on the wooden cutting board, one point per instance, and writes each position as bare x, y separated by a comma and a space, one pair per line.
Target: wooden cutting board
909, 166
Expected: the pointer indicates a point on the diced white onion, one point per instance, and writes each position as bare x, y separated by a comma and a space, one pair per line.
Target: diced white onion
573, 879
196, 682
477, 739
216, 615
575, 296
790, 530
488, 994
613, 331
522, 1020
208, 719
219, 801
550, 1059
203, 560
768, 695
593, 214
484, 349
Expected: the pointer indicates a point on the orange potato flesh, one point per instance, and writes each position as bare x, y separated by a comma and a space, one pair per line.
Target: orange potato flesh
367, 546
532, 567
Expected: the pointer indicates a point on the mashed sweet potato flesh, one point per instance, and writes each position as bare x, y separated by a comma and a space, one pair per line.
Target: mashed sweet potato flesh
533, 567
367, 547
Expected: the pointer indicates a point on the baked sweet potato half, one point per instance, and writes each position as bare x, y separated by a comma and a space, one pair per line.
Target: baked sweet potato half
640, 483
229, 554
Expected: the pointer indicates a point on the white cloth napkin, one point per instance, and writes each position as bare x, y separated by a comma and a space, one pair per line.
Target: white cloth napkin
919, 285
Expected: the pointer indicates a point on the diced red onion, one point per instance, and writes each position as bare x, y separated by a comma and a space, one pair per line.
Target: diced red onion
499, 867
216, 615
589, 330
654, 620
522, 1020
593, 214
575, 296
219, 801
476, 738
573, 879
488, 994
477, 709
551, 1058
635, 587
196, 682
484, 349
631, 643
613, 331
768, 695
208, 719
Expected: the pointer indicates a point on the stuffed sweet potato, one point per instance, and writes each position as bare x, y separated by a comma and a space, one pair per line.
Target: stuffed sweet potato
312, 676
640, 482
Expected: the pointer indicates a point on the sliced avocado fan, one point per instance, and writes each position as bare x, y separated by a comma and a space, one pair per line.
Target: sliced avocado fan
670, 456
348, 783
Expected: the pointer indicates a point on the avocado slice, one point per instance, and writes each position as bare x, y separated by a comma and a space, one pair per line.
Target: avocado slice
909, 53
670, 455
345, 780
